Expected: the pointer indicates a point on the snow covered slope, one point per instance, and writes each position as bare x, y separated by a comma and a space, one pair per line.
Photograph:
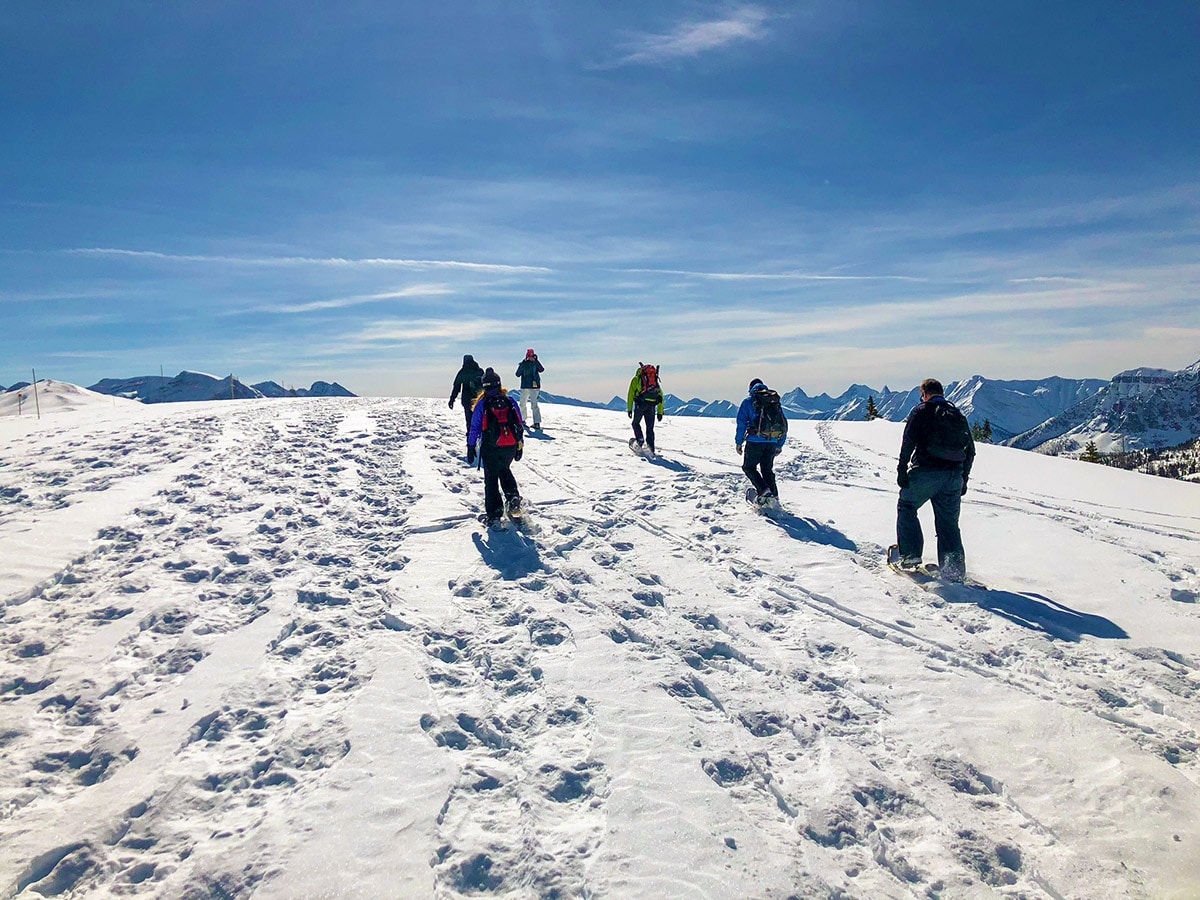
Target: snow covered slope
264, 649
54, 396
1140, 408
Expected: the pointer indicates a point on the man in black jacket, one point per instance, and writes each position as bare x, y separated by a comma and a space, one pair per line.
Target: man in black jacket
469, 380
938, 444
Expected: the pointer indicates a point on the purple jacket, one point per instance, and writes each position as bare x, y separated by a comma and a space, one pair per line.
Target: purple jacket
476, 431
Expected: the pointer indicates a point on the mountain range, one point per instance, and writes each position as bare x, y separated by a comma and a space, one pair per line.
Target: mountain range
1138, 409
199, 386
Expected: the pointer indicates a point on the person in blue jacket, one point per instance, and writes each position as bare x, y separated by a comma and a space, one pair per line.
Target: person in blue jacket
761, 432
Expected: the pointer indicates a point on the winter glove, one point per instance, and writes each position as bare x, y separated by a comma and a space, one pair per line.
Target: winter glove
660, 417
902, 478
964, 490
629, 412
451, 403
520, 452
738, 448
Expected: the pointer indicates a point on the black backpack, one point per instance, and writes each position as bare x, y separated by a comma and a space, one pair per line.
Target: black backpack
947, 433
472, 384
500, 428
769, 421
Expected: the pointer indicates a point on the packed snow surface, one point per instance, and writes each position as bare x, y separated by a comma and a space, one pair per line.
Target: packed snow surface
263, 648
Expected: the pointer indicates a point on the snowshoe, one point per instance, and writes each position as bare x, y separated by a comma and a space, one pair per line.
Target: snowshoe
493, 523
513, 507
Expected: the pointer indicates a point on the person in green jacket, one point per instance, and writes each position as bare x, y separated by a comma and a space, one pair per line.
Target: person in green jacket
644, 404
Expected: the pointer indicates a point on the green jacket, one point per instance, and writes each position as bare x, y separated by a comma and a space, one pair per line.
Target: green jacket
635, 388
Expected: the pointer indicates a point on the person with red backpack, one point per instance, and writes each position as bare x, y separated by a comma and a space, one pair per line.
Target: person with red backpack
497, 430
644, 404
761, 432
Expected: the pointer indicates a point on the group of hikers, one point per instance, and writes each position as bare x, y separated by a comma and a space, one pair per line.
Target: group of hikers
936, 452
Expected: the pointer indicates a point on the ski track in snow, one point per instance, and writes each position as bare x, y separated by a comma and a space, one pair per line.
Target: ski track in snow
177, 697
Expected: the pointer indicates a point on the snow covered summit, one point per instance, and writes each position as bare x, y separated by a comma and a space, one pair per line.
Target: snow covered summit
265, 650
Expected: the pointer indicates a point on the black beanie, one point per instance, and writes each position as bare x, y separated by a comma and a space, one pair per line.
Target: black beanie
490, 378
755, 381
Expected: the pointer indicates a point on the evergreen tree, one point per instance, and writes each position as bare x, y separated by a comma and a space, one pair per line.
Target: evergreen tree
1090, 453
987, 431
872, 410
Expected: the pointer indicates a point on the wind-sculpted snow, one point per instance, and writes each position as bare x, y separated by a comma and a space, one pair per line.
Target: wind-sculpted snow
265, 649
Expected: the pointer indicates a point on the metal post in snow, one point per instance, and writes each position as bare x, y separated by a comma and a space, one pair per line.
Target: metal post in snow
36, 403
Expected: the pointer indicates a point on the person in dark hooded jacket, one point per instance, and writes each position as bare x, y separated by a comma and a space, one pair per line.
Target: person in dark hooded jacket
469, 381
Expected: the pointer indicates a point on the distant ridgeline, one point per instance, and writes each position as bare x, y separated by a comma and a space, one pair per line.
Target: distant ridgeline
1141, 409
197, 386
1009, 407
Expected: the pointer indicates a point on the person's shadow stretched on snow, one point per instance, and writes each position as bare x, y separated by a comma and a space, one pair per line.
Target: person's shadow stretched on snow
1037, 613
809, 530
509, 552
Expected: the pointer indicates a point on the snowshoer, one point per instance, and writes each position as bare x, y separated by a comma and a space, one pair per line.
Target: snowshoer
497, 429
469, 381
643, 404
761, 432
936, 455
530, 370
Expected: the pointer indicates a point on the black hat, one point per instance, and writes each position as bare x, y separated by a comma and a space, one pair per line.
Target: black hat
755, 381
490, 378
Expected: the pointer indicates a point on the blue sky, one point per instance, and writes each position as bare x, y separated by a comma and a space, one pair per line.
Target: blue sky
814, 193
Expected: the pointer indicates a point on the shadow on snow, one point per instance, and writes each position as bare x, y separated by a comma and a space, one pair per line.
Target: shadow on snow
1037, 612
802, 529
511, 553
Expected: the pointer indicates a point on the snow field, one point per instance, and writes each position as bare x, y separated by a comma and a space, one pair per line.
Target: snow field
263, 648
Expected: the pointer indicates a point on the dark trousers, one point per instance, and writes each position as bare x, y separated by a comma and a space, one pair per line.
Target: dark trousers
943, 488
497, 477
644, 410
467, 413
758, 462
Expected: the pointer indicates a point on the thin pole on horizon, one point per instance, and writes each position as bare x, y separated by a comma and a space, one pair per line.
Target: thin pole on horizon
162, 382
36, 403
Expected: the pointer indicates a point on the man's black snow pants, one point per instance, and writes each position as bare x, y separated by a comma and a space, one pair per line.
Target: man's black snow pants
468, 411
758, 462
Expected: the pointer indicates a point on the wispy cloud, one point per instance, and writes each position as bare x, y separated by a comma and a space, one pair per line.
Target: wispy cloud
333, 261
769, 276
688, 39
414, 290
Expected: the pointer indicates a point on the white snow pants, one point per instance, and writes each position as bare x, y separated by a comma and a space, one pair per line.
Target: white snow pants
529, 397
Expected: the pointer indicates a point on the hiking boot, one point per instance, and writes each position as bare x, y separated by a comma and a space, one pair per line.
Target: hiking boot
635, 444
513, 506
910, 563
